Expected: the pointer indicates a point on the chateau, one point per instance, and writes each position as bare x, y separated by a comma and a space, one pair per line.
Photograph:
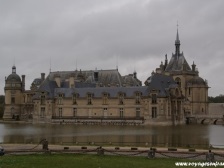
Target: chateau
173, 92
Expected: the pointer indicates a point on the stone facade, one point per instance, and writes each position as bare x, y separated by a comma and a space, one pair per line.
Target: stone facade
171, 93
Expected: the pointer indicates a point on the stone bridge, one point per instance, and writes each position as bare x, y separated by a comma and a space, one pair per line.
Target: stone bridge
205, 119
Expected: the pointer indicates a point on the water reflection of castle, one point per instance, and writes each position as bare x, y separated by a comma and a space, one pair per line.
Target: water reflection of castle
171, 93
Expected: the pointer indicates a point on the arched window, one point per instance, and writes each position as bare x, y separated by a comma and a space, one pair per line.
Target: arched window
178, 81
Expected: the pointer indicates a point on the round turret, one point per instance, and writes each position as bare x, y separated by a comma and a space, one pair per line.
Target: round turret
197, 81
13, 77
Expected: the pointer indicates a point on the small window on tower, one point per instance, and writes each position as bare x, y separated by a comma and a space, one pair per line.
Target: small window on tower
13, 100
178, 81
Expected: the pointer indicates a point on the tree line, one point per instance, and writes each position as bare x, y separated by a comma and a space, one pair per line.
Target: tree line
2, 104
217, 99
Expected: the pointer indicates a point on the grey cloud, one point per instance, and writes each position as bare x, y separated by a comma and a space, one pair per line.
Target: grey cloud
97, 32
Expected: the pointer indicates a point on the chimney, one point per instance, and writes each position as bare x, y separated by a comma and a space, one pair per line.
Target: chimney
135, 74
193, 67
96, 76
166, 62
23, 82
42, 76
72, 80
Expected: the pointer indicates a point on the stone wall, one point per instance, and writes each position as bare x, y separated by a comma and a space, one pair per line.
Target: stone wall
216, 109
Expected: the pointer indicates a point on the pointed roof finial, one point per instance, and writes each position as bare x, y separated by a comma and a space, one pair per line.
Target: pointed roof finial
177, 37
177, 43
116, 62
50, 65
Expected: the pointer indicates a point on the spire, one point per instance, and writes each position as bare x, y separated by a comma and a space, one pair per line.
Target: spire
166, 62
50, 65
177, 42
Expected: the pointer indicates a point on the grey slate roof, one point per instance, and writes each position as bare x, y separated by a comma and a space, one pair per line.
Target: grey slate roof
13, 77
105, 77
196, 80
176, 62
161, 83
97, 92
158, 82
37, 81
129, 80
47, 86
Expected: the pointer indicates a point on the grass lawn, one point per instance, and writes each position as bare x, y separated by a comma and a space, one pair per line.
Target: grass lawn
86, 161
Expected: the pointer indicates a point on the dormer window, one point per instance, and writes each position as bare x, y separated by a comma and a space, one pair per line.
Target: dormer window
105, 98
121, 98
154, 98
74, 98
138, 98
89, 98
42, 99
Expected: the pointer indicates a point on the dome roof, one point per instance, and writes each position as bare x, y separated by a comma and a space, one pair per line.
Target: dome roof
13, 77
197, 81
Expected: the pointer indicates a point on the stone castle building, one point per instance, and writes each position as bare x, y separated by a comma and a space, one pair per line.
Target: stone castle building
172, 93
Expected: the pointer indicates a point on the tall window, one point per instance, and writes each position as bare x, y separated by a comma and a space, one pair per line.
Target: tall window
138, 111
154, 99
137, 98
60, 99
105, 112
60, 112
121, 112
121, 98
13, 100
154, 112
74, 98
89, 98
74, 112
42, 112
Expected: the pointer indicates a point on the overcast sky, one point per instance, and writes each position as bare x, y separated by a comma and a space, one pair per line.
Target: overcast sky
135, 34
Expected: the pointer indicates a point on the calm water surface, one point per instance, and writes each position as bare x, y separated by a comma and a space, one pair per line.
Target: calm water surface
178, 136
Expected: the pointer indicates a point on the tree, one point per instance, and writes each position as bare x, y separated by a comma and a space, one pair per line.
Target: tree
217, 99
2, 104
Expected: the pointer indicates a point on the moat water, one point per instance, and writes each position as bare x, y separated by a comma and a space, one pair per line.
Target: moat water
165, 136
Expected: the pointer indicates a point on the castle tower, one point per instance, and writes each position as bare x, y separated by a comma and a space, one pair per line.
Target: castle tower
13, 89
193, 87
